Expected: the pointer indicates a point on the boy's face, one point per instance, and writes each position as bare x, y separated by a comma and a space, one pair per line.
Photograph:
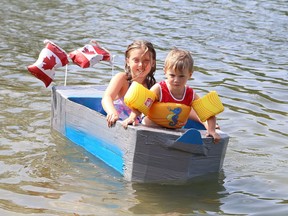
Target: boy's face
177, 79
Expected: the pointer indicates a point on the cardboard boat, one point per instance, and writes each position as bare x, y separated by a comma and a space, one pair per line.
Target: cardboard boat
139, 153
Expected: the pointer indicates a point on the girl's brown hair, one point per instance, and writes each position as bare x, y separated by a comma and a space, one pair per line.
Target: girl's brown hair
146, 45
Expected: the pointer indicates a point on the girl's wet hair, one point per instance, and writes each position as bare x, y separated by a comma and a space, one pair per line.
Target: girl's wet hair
179, 60
147, 46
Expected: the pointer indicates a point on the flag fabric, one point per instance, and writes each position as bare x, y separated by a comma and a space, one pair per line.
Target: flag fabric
50, 58
53, 57
89, 55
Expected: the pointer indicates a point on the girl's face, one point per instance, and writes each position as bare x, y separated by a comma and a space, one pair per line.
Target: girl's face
176, 79
140, 64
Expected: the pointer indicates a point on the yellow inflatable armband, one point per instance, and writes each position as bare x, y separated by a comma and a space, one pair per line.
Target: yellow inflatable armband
138, 97
169, 114
208, 106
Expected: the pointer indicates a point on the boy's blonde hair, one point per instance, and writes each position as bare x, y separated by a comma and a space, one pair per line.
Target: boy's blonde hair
179, 60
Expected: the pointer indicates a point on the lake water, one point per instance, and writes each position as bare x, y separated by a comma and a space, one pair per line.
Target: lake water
240, 50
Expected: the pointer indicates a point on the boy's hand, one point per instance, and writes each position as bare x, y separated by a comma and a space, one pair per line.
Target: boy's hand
130, 121
215, 136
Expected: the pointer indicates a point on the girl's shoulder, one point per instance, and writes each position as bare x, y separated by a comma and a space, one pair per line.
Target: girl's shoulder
121, 75
118, 85
122, 82
119, 78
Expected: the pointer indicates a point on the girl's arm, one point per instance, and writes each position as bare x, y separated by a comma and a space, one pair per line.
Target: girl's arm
113, 91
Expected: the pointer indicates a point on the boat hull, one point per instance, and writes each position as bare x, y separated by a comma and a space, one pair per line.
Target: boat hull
139, 153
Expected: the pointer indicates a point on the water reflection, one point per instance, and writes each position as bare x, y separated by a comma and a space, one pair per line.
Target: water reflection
200, 195
240, 50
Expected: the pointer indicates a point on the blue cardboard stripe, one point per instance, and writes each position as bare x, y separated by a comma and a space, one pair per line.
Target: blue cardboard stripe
106, 152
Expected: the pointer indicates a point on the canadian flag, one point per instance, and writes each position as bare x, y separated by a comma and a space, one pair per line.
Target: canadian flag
50, 58
89, 55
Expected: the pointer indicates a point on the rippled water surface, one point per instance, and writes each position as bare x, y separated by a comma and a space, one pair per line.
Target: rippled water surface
240, 50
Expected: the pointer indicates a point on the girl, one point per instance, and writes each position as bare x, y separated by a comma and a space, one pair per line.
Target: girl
140, 66
178, 68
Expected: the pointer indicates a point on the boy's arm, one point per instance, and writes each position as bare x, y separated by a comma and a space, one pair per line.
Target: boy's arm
132, 119
156, 89
210, 125
211, 129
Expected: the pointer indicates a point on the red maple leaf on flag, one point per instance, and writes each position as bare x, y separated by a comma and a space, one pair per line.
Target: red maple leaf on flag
49, 63
87, 51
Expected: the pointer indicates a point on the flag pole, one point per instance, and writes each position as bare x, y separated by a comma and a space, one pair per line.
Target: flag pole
66, 74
